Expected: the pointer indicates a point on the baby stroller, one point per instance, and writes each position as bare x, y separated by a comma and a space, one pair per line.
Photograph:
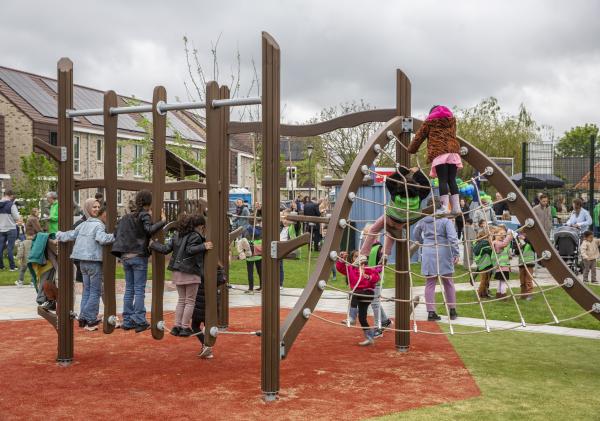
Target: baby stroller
566, 241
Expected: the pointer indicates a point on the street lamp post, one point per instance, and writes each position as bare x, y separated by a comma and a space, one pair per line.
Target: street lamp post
309, 151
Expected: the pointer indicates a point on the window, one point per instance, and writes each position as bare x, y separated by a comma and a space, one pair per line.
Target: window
54, 138
119, 160
76, 168
99, 150
119, 197
76, 196
137, 159
172, 195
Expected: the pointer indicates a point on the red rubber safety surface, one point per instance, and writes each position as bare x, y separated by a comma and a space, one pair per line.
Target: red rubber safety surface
132, 376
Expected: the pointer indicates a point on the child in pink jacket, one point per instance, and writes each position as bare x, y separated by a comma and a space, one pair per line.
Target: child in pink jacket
361, 280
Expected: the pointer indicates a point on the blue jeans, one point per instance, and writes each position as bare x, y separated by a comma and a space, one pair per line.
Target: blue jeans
8, 238
92, 290
136, 273
378, 313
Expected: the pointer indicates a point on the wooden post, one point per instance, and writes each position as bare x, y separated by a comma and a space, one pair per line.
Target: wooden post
270, 339
223, 315
159, 167
214, 188
402, 313
110, 177
64, 309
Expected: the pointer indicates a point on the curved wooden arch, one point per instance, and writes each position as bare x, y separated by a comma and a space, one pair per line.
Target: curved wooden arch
306, 130
520, 207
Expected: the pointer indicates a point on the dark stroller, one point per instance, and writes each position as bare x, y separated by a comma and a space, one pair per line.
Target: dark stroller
566, 241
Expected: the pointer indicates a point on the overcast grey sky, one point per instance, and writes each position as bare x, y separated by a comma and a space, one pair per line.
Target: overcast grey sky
545, 54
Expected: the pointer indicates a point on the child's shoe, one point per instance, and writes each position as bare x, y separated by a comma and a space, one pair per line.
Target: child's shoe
175, 331
206, 353
351, 322
369, 334
453, 314
432, 316
185, 331
19, 284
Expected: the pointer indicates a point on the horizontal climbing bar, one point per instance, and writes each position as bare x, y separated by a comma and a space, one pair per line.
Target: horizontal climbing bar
85, 112
217, 103
162, 107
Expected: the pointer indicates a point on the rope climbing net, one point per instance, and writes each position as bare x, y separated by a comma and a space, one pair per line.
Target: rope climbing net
412, 217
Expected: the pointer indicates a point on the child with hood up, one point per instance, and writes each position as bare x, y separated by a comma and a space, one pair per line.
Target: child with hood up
442, 152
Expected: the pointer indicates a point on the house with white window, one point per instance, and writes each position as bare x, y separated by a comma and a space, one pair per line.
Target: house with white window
28, 110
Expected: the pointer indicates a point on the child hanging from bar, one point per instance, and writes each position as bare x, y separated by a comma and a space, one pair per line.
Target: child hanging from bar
501, 244
442, 152
482, 252
362, 281
407, 189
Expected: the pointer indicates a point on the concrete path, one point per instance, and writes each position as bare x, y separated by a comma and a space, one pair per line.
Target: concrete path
18, 303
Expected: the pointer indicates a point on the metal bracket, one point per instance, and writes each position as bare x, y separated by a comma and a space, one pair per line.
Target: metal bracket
63, 154
274, 249
407, 125
282, 350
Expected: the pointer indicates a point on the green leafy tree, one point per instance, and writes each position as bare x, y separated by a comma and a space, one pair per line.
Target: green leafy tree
38, 177
495, 132
576, 142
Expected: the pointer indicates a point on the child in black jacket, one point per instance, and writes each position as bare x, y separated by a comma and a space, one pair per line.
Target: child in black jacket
199, 316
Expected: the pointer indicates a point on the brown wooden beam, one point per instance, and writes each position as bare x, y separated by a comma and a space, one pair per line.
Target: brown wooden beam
403, 309
214, 189
65, 213
307, 130
49, 316
286, 247
159, 171
41, 146
224, 113
270, 338
110, 177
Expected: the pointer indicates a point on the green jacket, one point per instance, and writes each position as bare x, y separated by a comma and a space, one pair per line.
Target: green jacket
482, 252
397, 209
53, 219
597, 215
38, 247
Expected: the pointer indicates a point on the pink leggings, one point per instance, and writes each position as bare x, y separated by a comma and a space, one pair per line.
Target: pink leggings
450, 292
185, 304
373, 235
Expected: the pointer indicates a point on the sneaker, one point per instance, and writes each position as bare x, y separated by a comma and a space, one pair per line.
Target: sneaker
13, 269
127, 327
281, 288
433, 316
378, 333
94, 323
206, 353
91, 328
453, 314
352, 322
259, 289
141, 327
386, 323
82, 323
49, 305
366, 342
175, 331
249, 291
19, 284
185, 331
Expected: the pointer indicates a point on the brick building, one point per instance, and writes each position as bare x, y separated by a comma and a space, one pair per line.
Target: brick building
28, 109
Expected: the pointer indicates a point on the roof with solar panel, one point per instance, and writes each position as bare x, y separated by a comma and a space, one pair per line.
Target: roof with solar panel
36, 96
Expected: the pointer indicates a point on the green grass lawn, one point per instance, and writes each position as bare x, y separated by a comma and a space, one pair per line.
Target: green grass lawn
523, 376
534, 311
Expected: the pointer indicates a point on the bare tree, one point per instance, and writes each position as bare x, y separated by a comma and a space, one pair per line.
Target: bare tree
341, 147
